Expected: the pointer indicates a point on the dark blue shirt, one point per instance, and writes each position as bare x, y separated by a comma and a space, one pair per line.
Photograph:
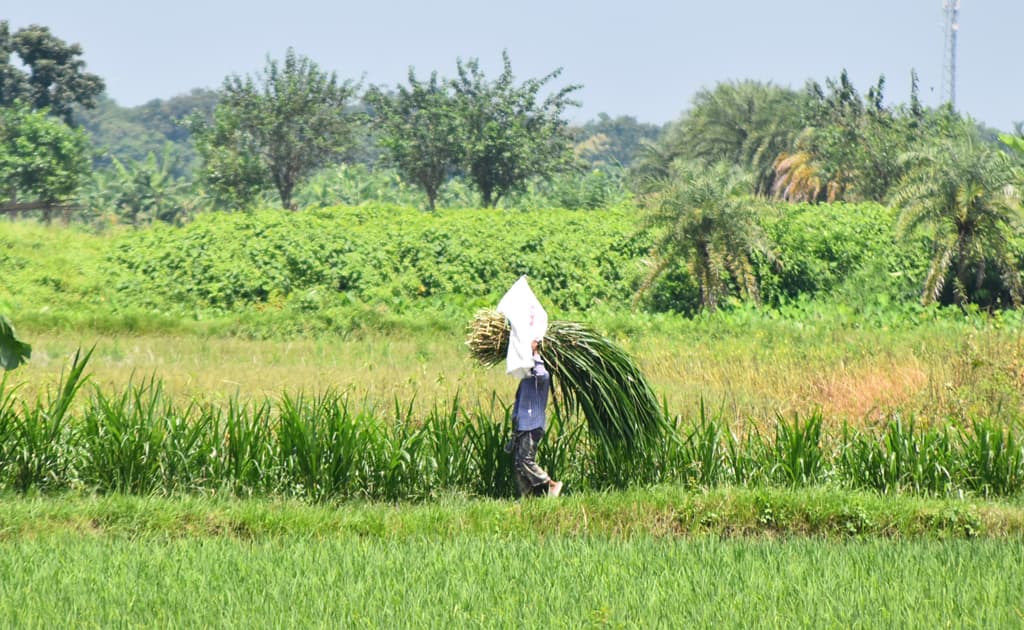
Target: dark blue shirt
528, 413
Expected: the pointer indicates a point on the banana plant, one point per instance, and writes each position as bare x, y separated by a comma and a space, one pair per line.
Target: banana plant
144, 191
1014, 142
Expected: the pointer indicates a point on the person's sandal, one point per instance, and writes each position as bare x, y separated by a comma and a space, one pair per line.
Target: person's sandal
555, 489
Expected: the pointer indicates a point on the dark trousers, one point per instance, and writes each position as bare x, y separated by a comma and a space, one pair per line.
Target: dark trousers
530, 478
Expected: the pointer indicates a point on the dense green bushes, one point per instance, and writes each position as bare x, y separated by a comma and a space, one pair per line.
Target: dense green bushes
393, 256
824, 246
330, 268
380, 254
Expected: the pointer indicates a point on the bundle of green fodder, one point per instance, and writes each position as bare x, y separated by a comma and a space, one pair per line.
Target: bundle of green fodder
593, 376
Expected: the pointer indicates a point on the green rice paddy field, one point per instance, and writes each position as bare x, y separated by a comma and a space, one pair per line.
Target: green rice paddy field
794, 558
626, 559
509, 582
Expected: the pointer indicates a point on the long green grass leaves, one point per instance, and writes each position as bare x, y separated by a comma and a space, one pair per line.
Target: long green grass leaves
598, 378
42, 439
463, 582
327, 446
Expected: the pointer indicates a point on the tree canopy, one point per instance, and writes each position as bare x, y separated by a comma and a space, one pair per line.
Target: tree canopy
850, 144
55, 80
274, 129
132, 133
509, 134
704, 219
746, 123
610, 141
40, 157
499, 133
420, 131
962, 194
293, 131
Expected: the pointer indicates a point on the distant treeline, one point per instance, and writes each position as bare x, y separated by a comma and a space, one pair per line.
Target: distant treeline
129, 134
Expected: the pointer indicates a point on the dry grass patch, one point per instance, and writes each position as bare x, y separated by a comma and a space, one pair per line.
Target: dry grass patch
865, 393
379, 369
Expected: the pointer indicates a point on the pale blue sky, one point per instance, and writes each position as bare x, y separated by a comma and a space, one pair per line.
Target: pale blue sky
642, 58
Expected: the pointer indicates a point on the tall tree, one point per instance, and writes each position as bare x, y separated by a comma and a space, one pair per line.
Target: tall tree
275, 128
13, 81
962, 193
420, 131
56, 79
703, 218
510, 135
746, 123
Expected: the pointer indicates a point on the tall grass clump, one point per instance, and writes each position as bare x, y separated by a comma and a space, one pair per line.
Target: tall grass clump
992, 459
902, 458
40, 440
9, 419
140, 442
797, 457
325, 446
244, 457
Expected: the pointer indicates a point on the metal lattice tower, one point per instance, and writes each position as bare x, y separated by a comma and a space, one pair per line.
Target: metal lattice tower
950, 26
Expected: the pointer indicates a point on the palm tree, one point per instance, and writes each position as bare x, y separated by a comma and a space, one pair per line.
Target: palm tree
964, 194
746, 123
704, 219
1014, 142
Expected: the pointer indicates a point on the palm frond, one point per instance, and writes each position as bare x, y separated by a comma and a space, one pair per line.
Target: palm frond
936, 278
593, 376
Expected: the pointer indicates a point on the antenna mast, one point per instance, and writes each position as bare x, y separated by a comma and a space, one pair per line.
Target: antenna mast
950, 26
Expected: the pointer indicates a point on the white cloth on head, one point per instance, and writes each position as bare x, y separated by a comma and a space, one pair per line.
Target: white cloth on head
529, 322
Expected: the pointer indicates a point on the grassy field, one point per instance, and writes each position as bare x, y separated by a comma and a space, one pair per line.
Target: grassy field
857, 355
146, 562
509, 583
745, 368
387, 440
800, 552
658, 512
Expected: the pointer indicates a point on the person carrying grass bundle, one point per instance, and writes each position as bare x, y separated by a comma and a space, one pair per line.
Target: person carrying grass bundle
529, 421
595, 378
